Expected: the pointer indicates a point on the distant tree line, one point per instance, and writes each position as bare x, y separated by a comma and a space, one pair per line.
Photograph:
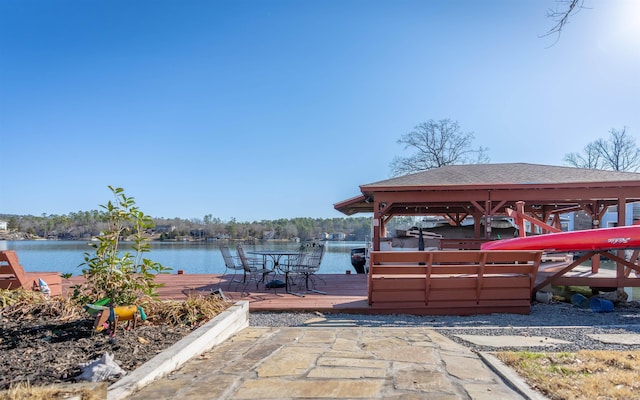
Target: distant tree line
84, 225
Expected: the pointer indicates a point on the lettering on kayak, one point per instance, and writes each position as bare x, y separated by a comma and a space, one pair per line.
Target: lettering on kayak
618, 240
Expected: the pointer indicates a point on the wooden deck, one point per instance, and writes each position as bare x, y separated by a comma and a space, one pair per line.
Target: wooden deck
345, 293
583, 276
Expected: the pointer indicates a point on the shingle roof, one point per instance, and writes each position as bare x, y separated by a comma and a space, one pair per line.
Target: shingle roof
507, 174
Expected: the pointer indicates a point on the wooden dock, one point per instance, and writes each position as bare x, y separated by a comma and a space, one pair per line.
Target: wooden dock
344, 293
582, 276
569, 272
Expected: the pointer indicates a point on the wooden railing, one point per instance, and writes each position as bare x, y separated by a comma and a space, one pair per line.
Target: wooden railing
461, 244
452, 282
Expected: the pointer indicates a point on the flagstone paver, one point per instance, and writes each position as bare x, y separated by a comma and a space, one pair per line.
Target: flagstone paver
333, 363
512, 340
618, 338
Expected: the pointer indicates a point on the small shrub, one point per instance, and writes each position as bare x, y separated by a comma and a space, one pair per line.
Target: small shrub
124, 277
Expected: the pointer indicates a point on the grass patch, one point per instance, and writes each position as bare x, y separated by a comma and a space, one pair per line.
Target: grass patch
26, 305
194, 311
587, 374
25, 391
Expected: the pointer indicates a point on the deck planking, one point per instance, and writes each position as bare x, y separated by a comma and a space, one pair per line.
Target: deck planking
344, 293
583, 276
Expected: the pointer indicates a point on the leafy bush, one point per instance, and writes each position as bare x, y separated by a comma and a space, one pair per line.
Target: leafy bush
127, 277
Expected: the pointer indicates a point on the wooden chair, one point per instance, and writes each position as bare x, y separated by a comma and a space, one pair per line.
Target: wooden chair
13, 276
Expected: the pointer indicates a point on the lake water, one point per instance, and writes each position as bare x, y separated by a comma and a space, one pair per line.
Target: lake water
192, 257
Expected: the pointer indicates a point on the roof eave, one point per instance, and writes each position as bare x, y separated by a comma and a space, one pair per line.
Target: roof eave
354, 205
405, 188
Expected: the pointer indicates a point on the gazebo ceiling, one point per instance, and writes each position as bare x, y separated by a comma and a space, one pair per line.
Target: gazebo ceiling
469, 188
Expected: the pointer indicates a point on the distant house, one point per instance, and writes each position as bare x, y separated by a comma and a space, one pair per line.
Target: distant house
164, 228
338, 236
610, 217
3, 225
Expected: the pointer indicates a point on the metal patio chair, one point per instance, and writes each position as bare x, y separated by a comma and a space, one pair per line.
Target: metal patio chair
254, 270
233, 264
307, 266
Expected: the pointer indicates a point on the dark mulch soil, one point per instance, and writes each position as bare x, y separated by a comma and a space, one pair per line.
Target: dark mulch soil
45, 351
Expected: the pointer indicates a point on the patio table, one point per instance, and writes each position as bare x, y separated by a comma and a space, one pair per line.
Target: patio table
276, 256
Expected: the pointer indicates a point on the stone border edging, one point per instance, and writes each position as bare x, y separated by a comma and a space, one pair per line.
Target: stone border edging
214, 332
510, 377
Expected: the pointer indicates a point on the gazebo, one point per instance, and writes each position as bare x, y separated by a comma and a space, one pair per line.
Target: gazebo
539, 194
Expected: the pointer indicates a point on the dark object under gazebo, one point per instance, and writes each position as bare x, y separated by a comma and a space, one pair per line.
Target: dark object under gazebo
359, 259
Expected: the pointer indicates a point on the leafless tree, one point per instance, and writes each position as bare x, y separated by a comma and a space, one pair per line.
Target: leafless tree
589, 158
618, 153
564, 9
436, 144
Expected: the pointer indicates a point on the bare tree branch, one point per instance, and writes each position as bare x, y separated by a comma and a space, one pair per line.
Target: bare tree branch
564, 9
590, 158
618, 153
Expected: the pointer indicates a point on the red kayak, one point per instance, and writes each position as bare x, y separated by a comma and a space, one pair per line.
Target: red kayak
620, 237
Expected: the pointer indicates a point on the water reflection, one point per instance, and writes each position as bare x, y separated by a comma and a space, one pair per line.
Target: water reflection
192, 257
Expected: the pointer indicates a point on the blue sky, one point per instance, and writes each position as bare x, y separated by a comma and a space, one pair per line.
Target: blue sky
259, 110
